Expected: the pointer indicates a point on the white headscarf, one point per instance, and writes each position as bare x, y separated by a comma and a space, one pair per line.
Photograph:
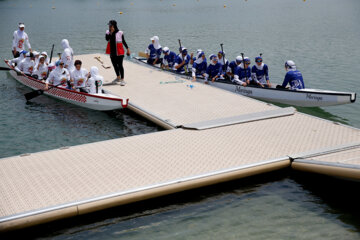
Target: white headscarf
65, 44
156, 42
94, 71
199, 58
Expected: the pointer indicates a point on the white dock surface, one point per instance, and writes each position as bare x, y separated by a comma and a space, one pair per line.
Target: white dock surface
50, 185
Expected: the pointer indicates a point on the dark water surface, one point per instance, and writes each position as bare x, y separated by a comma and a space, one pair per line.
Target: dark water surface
320, 36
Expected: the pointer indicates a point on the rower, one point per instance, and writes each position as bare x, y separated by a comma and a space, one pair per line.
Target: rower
153, 52
199, 66
169, 58
293, 77
19, 38
242, 75
58, 77
46, 57
16, 61
41, 69
181, 61
232, 66
94, 83
223, 61
67, 56
260, 73
79, 76
214, 70
26, 66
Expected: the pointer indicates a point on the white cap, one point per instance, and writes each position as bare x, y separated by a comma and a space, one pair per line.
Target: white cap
290, 64
36, 53
154, 37
44, 53
166, 49
21, 25
239, 59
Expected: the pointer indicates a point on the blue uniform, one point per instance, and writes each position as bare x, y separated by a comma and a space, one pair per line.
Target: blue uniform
214, 70
223, 66
260, 74
179, 60
231, 67
242, 74
295, 79
170, 59
200, 68
153, 53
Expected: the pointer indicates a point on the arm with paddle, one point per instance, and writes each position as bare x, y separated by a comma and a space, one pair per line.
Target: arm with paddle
184, 59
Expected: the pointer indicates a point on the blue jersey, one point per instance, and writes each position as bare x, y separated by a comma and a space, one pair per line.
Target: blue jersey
170, 58
242, 73
154, 53
260, 74
179, 60
214, 70
295, 79
200, 68
232, 66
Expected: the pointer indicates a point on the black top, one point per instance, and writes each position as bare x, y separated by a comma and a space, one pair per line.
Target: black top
112, 38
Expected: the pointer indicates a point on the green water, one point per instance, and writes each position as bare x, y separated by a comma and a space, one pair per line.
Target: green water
321, 36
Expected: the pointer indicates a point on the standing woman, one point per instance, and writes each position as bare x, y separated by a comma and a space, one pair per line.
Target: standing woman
19, 39
115, 48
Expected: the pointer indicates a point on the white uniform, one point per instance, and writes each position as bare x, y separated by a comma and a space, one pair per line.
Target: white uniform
59, 76
79, 77
17, 60
41, 71
67, 56
95, 77
26, 66
19, 39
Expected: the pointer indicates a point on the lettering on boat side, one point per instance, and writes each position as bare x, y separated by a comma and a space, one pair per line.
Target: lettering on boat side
243, 91
310, 96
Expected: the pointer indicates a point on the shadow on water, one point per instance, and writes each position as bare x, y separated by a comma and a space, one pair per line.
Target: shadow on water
317, 112
335, 196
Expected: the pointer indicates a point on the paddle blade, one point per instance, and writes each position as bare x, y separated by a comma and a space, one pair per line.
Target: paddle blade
33, 94
4, 69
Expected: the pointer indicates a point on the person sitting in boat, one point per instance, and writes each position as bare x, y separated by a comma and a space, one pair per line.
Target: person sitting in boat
293, 77
94, 83
51, 67
199, 66
260, 73
242, 75
41, 69
232, 66
36, 55
223, 61
19, 39
153, 52
67, 57
16, 61
181, 61
60, 76
79, 76
169, 58
27, 65
192, 58
214, 70
44, 54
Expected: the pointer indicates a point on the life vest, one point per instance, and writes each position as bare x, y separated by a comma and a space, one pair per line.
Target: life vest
119, 45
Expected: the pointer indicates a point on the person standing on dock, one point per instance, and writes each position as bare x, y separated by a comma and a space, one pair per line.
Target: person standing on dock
153, 51
293, 77
115, 47
19, 39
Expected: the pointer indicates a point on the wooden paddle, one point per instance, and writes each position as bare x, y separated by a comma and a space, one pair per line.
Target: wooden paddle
4, 69
185, 68
36, 93
142, 54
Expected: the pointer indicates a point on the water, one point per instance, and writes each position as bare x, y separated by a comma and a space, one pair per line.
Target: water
320, 36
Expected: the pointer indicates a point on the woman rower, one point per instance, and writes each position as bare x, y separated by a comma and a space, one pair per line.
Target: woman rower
199, 66
79, 76
115, 48
27, 65
214, 70
67, 56
153, 52
94, 83
58, 77
41, 69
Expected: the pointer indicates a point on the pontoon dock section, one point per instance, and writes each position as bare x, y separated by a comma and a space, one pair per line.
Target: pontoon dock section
217, 136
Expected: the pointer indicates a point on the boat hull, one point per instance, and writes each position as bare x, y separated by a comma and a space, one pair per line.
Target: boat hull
103, 102
302, 98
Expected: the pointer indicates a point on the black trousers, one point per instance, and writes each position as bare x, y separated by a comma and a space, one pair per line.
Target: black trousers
117, 62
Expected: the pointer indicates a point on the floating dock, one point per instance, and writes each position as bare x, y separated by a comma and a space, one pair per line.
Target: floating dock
216, 136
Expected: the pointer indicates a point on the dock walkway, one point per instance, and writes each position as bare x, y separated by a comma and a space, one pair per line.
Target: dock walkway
217, 136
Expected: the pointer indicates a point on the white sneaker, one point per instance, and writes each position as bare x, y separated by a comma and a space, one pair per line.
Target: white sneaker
122, 83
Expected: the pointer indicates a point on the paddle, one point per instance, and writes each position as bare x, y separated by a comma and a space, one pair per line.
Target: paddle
36, 93
185, 68
242, 55
4, 69
223, 55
